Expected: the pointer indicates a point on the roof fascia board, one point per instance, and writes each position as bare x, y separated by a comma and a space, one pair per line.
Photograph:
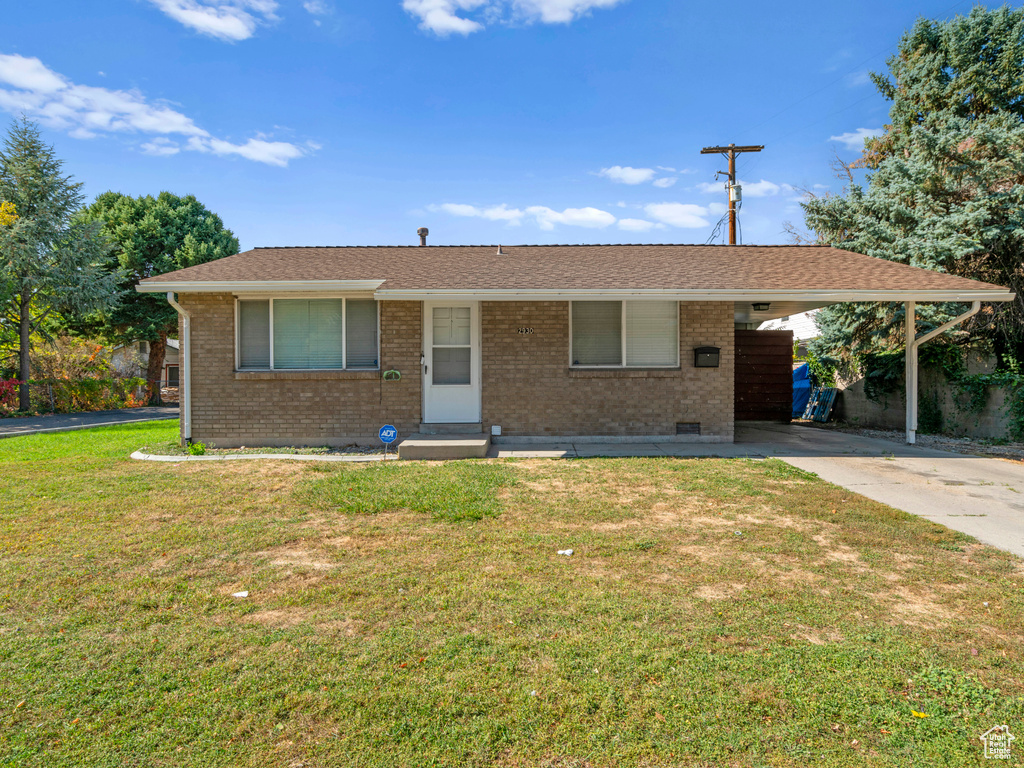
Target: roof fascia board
699, 295
259, 286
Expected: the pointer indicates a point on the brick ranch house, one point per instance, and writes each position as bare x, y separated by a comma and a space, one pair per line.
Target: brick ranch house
322, 345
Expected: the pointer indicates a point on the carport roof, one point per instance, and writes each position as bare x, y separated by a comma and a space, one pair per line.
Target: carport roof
795, 273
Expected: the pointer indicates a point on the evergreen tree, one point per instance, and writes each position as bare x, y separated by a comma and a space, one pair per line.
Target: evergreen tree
151, 236
49, 261
945, 186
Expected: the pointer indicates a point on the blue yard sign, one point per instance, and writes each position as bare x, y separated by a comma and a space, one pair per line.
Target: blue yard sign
388, 434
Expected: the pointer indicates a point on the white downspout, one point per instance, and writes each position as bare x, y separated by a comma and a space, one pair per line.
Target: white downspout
185, 358
912, 345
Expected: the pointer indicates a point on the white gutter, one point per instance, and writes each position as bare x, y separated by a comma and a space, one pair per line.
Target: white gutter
913, 343
185, 360
250, 286
823, 296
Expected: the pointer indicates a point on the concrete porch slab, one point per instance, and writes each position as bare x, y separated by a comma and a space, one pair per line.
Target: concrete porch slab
444, 447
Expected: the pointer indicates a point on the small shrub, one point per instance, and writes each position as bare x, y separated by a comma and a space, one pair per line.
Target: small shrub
8, 396
196, 449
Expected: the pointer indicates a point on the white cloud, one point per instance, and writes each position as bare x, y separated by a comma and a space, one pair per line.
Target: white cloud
680, 215
494, 213
160, 147
259, 150
855, 139
29, 74
546, 218
762, 188
317, 7
446, 17
439, 16
560, 11
86, 111
573, 217
638, 225
856, 79
665, 183
624, 174
223, 19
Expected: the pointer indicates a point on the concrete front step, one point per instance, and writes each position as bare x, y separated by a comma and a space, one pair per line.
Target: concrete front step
451, 429
439, 447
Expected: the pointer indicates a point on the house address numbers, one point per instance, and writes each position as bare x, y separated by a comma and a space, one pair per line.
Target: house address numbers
525, 331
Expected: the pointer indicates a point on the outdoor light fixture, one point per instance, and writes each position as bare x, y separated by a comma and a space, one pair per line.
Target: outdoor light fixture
762, 306
706, 357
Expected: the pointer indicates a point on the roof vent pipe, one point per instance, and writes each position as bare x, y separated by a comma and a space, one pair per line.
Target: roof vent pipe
500, 252
423, 232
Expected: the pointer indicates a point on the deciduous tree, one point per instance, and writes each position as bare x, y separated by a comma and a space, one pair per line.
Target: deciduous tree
151, 236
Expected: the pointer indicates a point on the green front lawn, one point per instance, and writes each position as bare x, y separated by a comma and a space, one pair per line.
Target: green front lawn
714, 613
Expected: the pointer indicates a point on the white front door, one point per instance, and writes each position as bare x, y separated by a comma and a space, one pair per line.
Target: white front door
451, 362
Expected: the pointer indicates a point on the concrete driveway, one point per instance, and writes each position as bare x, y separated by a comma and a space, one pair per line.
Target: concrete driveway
978, 496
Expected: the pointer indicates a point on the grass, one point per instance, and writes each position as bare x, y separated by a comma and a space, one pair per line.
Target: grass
715, 613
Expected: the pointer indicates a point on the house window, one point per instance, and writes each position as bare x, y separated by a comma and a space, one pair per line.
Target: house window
307, 334
641, 334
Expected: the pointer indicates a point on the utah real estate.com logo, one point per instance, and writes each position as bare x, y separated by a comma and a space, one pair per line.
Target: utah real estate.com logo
997, 742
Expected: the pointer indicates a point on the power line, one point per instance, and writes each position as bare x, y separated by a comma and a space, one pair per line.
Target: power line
850, 71
730, 152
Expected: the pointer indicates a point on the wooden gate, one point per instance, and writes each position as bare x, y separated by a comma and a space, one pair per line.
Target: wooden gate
764, 375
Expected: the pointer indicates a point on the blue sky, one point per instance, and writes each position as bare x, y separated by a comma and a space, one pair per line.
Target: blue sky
337, 122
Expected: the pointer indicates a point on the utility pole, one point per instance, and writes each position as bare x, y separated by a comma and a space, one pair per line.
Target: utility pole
734, 191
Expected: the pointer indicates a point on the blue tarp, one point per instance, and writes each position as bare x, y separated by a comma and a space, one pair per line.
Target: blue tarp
801, 390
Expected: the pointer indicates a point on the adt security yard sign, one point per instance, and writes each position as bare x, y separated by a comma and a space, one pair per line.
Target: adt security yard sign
388, 434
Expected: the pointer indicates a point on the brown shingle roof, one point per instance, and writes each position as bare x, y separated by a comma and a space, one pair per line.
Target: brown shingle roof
579, 267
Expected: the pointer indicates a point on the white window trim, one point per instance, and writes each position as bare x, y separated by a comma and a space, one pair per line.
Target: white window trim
622, 302
344, 331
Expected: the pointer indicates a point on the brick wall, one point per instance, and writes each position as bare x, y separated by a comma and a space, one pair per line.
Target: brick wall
232, 408
529, 388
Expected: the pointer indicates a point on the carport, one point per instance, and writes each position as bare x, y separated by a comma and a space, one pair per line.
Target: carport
931, 287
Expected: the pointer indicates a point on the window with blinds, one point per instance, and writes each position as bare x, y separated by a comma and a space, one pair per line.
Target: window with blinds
625, 334
307, 334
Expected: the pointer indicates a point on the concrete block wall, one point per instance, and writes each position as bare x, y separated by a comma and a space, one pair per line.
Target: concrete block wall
529, 388
232, 408
992, 422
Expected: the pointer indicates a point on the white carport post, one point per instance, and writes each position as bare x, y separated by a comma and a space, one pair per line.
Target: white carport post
913, 342
185, 360
910, 376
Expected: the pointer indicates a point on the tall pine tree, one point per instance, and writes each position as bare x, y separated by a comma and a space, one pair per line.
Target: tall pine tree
945, 185
49, 260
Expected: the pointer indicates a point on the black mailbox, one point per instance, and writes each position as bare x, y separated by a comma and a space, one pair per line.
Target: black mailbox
706, 357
